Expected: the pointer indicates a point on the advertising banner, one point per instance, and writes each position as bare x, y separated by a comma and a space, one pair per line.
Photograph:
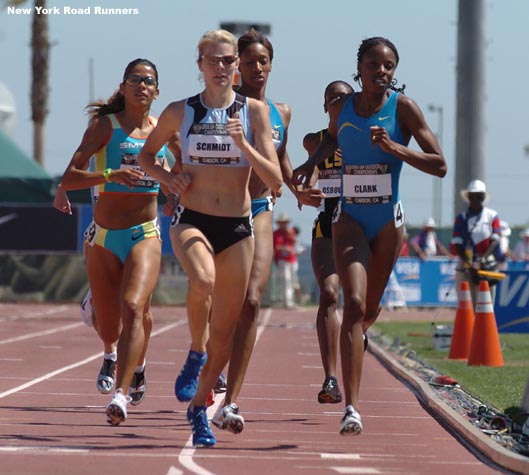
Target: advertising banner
419, 283
511, 306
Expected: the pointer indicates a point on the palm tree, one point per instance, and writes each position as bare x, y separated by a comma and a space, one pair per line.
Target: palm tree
40, 56
40, 59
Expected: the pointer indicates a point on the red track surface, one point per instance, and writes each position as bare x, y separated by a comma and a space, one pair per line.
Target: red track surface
52, 418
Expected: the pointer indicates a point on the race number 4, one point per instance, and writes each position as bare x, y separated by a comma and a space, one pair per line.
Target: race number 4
398, 214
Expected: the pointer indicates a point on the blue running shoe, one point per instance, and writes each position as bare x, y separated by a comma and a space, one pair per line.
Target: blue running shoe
186, 384
202, 435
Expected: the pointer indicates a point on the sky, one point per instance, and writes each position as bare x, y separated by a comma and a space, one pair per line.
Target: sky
313, 45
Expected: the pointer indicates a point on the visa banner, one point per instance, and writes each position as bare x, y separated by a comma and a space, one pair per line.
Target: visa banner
511, 306
416, 283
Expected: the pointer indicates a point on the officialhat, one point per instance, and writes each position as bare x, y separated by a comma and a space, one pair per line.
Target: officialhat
283, 218
429, 223
475, 186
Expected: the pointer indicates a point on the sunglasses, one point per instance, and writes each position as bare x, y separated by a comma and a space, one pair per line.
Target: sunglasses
149, 81
216, 60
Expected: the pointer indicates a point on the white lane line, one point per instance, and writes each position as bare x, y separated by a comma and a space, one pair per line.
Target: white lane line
357, 470
50, 375
33, 314
185, 457
33, 448
76, 365
42, 333
340, 456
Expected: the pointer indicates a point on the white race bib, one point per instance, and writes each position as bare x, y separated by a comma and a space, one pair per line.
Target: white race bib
367, 184
212, 146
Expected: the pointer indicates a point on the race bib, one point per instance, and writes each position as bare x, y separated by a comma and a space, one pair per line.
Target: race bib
129, 161
90, 233
367, 184
398, 214
209, 145
331, 187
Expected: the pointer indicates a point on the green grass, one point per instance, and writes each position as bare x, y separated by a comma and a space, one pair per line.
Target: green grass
499, 387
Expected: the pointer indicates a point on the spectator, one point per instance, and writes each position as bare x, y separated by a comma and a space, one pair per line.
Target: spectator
504, 246
405, 249
299, 249
285, 258
521, 249
426, 244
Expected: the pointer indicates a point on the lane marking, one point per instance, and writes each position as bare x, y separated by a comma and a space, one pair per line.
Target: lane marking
30, 448
33, 314
340, 456
41, 333
185, 457
358, 470
79, 363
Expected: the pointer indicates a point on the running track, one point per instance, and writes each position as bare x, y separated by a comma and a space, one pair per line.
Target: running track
52, 418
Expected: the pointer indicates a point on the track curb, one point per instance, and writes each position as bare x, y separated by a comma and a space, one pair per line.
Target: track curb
489, 449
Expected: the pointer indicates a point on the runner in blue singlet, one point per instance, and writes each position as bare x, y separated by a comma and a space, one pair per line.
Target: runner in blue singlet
373, 129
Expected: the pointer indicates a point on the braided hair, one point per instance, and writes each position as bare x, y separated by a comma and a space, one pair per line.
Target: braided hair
369, 43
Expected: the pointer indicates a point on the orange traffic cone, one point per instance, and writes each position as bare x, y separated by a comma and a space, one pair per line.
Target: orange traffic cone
463, 325
485, 349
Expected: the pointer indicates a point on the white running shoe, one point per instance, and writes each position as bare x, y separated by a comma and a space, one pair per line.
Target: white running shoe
87, 309
351, 422
117, 409
228, 418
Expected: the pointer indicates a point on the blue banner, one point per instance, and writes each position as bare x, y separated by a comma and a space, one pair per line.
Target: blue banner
431, 283
511, 306
416, 283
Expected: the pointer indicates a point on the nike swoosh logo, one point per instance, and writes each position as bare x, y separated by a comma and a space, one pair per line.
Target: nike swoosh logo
277, 126
135, 238
384, 118
349, 124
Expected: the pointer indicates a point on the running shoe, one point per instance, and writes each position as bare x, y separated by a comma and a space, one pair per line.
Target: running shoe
330, 392
87, 309
186, 384
117, 409
137, 388
220, 385
351, 422
198, 418
228, 418
106, 376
